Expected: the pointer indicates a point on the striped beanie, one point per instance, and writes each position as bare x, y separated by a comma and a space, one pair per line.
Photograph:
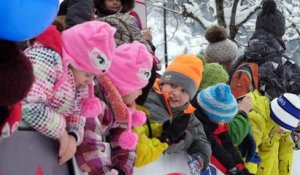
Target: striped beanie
218, 103
285, 111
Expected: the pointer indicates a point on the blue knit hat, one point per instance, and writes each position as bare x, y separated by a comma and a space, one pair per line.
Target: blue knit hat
285, 111
218, 103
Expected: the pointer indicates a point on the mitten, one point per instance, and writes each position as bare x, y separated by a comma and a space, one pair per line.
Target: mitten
194, 165
173, 131
148, 150
248, 147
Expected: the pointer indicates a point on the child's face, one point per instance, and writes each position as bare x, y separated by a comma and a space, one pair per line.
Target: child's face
113, 5
130, 98
82, 78
178, 96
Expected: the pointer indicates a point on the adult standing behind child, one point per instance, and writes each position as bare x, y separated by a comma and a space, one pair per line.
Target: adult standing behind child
123, 83
168, 104
60, 99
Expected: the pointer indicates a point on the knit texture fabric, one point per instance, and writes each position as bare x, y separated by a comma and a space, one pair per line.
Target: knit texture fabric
213, 73
220, 48
271, 19
131, 67
218, 103
285, 111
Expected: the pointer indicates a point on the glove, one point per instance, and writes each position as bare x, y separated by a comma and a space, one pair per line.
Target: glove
195, 166
248, 147
174, 131
148, 150
181, 145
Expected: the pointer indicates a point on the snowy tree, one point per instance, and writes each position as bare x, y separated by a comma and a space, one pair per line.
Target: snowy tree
188, 19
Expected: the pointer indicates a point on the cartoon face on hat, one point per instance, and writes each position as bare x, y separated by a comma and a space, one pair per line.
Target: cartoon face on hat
89, 46
99, 59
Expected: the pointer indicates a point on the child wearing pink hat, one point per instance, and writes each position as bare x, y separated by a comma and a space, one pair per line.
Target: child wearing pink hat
129, 73
55, 109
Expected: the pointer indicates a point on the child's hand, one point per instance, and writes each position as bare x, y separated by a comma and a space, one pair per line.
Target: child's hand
67, 147
246, 104
147, 34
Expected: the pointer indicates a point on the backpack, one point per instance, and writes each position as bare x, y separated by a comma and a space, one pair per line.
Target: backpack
244, 79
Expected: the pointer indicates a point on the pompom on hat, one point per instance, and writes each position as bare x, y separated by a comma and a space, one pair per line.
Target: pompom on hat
131, 67
88, 47
271, 19
16, 74
218, 103
220, 48
185, 71
285, 111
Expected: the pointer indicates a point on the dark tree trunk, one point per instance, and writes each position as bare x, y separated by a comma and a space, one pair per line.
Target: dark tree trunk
233, 27
220, 12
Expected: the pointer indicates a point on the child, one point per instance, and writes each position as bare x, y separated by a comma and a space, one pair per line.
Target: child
61, 96
16, 78
214, 108
239, 127
168, 103
119, 88
271, 124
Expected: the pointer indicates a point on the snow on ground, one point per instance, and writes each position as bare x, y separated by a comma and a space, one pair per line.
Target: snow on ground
296, 163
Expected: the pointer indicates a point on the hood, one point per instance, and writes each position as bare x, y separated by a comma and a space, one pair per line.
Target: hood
261, 44
51, 38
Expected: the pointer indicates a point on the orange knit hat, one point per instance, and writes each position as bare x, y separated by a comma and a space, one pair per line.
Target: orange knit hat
185, 71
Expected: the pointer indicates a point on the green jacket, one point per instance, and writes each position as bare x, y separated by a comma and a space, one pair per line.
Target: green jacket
239, 127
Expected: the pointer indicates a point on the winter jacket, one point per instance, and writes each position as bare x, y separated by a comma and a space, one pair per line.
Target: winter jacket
225, 155
286, 154
194, 142
268, 141
127, 30
47, 108
105, 128
239, 127
278, 73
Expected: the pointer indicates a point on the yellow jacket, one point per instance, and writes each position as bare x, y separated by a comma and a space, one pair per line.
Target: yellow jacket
270, 144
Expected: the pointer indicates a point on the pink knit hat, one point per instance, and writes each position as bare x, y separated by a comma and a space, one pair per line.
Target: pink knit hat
131, 67
89, 46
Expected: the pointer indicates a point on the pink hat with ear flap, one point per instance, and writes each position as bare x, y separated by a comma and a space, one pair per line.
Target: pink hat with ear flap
89, 46
131, 67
